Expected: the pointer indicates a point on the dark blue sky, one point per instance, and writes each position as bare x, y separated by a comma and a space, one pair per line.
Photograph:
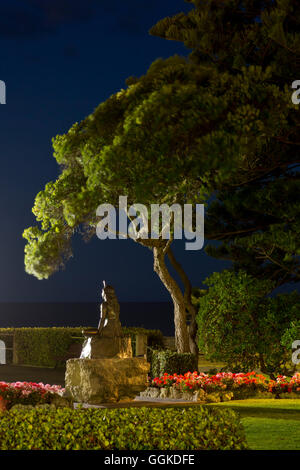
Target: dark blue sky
60, 59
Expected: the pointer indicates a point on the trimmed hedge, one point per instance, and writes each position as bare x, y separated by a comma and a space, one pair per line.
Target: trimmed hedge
122, 429
172, 363
43, 346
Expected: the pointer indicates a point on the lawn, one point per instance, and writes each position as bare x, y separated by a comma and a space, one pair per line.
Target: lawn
269, 424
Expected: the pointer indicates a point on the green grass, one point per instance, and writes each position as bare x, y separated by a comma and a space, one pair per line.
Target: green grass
269, 424
272, 434
204, 365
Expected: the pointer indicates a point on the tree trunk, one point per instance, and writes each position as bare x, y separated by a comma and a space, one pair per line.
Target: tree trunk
192, 329
185, 335
181, 331
190, 308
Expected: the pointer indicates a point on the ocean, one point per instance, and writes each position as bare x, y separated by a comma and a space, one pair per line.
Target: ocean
150, 315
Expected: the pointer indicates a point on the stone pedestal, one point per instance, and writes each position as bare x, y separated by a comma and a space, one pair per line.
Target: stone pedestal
104, 346
97, 381
141, 345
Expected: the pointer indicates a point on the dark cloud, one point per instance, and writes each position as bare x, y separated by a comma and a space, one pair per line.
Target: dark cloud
29, 18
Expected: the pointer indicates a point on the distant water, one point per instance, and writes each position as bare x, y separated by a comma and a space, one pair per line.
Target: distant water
151, 315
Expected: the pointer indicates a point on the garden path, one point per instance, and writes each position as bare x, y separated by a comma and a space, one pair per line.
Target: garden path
17, 373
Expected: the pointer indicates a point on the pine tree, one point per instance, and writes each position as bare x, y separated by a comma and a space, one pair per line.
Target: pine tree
154, 142
256, 211
216, 123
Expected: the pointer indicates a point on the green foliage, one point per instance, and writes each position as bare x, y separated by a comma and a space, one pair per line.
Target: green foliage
280, 318
241, 326
46, 347
256, 214
291, 334
121, 429
259, 227
158, 141
219, 123
235, 33
172, 362
197, 294
43, 346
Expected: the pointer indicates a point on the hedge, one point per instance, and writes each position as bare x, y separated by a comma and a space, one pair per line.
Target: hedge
172, 362
121, 429
44, 346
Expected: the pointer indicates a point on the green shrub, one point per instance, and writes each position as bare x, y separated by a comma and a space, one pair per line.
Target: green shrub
291, 334
43, 346
121, 429
242, 326
172, 363
46, 347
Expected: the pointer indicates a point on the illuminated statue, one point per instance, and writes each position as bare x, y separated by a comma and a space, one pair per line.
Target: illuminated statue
109, 312
107, 340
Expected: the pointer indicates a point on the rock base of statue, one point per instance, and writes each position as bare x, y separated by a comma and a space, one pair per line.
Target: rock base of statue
105, 380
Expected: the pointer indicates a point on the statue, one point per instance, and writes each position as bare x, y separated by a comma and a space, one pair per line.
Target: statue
106, 371
107, 340
109, 312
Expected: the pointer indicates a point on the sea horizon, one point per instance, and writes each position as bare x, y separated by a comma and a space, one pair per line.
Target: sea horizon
150, 315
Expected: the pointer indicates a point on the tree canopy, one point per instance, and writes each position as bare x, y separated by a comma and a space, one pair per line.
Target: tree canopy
256, 214
189, 129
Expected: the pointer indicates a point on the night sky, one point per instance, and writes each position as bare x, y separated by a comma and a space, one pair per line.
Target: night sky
60, 59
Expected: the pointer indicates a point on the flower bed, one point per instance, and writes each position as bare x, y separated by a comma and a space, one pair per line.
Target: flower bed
223, 386
29, 393
285, 385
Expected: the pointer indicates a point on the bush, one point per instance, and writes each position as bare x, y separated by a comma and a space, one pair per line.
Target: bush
172, 362
121, 429
291, 334
239, 324
42, 346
